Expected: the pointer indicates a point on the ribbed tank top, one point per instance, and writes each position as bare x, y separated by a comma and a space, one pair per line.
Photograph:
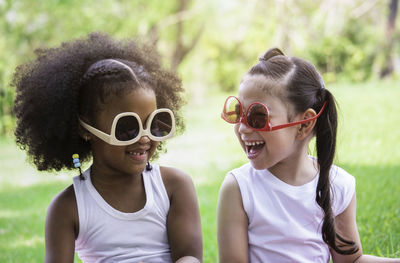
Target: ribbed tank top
109, 235
285, 220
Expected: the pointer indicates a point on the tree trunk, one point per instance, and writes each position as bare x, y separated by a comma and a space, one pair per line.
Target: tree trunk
388, 64
181, 50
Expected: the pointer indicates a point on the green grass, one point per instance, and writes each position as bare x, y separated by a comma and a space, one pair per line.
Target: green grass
368, 148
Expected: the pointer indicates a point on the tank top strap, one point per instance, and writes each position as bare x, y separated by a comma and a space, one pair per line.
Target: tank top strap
157, 189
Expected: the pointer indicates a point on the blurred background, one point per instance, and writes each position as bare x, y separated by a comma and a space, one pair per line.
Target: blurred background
355, 44
212, 43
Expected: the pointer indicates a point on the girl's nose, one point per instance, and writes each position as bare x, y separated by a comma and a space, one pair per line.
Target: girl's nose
144, 139
243, 128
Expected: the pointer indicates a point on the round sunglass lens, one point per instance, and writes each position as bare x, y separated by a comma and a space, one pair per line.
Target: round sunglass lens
232, 110
127, 128
257, 116
161, 124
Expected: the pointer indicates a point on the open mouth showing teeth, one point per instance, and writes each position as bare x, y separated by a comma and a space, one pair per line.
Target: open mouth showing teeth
137, 153
252, 147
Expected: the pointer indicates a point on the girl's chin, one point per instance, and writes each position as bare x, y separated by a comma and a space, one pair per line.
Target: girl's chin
137, 169
256, 158
260, 163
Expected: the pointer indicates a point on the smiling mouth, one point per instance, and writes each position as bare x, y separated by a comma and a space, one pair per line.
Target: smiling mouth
253, 148
137, 153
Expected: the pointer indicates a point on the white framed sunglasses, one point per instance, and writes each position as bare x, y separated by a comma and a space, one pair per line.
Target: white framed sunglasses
127, 127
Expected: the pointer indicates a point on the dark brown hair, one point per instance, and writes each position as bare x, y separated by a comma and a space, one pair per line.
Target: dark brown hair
74, 79
305, 89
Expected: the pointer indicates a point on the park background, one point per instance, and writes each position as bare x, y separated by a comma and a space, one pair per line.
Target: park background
355, 44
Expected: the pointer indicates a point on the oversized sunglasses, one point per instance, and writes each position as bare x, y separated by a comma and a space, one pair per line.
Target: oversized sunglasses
127, 127
256, 116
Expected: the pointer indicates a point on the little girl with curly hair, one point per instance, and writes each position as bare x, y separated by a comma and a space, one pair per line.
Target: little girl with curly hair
109, 102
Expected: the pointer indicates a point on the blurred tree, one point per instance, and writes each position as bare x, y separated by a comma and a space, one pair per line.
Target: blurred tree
211, 43
27, 25
181, 49
388, 66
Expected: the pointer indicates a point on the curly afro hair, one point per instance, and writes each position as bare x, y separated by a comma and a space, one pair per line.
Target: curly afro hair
65, 82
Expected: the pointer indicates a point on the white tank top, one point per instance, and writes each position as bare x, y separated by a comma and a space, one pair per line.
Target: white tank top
285, 220
109, 235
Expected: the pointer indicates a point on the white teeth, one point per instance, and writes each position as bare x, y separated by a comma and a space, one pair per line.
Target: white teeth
253, 143
137, 153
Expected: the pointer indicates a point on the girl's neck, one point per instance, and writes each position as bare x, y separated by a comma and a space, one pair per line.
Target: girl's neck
124, 192
102, 177
296, 170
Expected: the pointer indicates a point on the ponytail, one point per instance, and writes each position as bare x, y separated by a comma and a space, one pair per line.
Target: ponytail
326, 129
305, 89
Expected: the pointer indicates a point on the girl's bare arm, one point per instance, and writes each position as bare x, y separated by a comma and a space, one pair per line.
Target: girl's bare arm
61, 228
183, 221
347, 227
232, 224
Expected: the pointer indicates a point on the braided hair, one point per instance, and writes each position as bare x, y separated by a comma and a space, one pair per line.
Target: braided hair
74, 79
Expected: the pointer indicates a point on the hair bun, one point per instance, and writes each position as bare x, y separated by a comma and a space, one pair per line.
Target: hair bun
272, 52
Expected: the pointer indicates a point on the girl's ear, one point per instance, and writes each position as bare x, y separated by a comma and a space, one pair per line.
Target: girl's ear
307, 128
83, 133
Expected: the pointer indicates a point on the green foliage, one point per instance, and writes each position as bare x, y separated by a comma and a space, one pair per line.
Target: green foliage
344, 43
7, 121
348, 55
229, 65
28, 25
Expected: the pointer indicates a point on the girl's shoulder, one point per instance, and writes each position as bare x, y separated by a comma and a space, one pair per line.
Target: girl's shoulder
65, 200
341, 178
175, 179
343, 187
244, 170
63, 208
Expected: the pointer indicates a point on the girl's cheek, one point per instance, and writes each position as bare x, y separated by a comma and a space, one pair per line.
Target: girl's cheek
236, 130
238, 135
153, 149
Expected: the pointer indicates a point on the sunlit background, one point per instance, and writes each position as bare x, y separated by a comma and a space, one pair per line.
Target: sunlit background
355, 44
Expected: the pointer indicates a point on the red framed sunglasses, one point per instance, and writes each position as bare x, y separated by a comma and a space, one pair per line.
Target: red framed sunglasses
257, 115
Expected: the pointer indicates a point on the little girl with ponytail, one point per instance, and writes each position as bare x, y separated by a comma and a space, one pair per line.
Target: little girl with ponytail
284, 205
